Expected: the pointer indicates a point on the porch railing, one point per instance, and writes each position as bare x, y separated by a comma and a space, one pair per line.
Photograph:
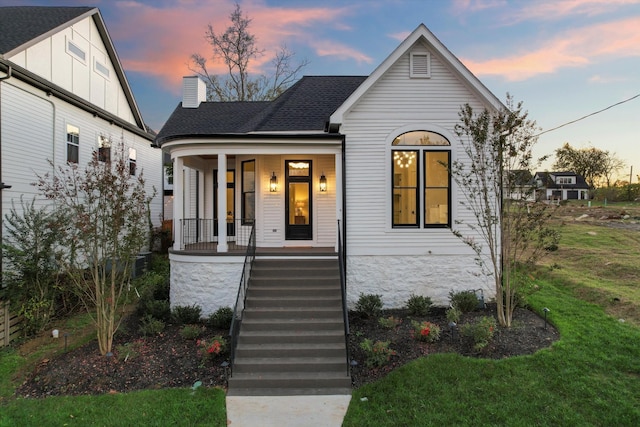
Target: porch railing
242, 293
343, 287
202, 234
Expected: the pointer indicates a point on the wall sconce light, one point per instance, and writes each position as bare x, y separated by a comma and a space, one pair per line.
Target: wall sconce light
273, 183
323, 182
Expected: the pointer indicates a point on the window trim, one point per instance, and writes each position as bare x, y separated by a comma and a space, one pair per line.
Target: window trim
424, 189
243, 193
389, 197
104, 149
414, 62
101, 69
75, 144
133, 161
74, 50
416, 188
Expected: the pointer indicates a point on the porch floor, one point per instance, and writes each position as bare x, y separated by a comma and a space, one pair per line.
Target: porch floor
211, 249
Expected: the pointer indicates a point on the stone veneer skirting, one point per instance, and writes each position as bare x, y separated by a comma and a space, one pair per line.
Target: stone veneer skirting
395, 278
212, 281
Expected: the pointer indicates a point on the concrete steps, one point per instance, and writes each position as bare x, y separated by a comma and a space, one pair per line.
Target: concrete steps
291, 339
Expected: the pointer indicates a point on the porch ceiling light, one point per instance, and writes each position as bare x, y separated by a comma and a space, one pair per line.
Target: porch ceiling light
323, 182
273, 183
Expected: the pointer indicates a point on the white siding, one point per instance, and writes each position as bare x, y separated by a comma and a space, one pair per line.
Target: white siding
394, 102
34, 132
50, 60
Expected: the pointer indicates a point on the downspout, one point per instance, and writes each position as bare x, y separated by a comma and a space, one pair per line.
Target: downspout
2, 184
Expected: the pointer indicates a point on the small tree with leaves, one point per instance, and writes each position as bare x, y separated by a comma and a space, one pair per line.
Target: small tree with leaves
507, 232
236, 47
107, 216
31, 263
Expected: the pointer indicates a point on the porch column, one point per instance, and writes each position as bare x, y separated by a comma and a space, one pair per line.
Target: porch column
222, 203
339, 198
178, 202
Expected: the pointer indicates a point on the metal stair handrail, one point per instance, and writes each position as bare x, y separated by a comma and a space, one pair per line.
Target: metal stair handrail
343, 289
242, 294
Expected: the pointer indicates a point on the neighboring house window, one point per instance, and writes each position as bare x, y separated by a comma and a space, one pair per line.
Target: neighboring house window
101, 69
434, 201
248, 192
73, 143
564, 180
76, 51
132, 161
104, 149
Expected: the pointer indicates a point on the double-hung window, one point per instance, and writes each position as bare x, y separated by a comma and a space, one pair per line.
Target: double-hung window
421, 195
104, 149
73, 143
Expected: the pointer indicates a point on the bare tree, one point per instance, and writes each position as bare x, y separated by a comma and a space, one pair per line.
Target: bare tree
236, 47
106, 216
507, 232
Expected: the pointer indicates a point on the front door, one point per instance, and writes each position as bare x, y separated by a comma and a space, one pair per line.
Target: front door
298, 195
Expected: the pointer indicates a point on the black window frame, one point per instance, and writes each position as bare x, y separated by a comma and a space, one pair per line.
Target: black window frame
246, 192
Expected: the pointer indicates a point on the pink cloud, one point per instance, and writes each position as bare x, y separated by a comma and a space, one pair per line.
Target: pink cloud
553, 9
574, 48
160, 41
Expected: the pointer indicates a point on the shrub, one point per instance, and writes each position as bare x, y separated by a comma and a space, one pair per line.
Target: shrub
465, 301
419, 305
151, 326
190, 332
453, 315
211, 347
186, 314
481, 331
129, 351
369, 305
425, 331
389, 322
158, 309
221, 318
376, 354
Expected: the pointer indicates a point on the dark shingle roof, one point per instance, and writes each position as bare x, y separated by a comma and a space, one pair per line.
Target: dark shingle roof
549, 182
21, 24
305, 106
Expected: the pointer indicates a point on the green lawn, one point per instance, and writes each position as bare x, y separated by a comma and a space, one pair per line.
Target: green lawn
590, 377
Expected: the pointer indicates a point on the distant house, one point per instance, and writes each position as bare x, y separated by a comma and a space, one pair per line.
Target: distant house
356, 156
63, 95
560, 186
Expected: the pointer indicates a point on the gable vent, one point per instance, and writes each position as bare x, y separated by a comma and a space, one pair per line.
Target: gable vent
420, 65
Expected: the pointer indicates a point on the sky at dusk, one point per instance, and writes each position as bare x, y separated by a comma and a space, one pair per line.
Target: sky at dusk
564, 59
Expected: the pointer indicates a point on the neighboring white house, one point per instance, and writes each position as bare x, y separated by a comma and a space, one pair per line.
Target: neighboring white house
360, 154
64, 94
560, 186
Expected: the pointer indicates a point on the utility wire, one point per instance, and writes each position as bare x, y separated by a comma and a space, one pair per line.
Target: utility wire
588, 115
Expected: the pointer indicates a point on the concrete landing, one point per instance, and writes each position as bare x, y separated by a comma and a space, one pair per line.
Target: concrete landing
287, 411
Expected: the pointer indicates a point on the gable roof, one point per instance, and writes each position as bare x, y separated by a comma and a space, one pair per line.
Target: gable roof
548, 180
24, 26
304, 107
421, 33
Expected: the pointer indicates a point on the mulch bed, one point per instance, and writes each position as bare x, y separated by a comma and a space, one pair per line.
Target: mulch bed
169, 360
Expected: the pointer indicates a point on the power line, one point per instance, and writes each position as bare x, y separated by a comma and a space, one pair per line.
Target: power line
588, 115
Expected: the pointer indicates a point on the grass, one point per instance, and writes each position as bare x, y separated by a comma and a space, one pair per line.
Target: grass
590, 377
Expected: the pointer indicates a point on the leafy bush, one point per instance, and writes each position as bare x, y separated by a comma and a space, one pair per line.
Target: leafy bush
190, 332
453, 315
481, 331
221, 318
376, 354
211, 347
129, 351
369, 305
425, 331
419, 305
186, 314
151, 326
158, 309
465, 301
389, 322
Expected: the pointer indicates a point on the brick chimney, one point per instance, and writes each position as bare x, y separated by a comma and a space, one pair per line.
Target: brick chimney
194, 91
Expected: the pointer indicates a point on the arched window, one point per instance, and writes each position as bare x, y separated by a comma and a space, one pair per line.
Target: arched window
421, 180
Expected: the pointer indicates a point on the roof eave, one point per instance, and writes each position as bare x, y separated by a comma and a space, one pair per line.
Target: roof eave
159, 141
